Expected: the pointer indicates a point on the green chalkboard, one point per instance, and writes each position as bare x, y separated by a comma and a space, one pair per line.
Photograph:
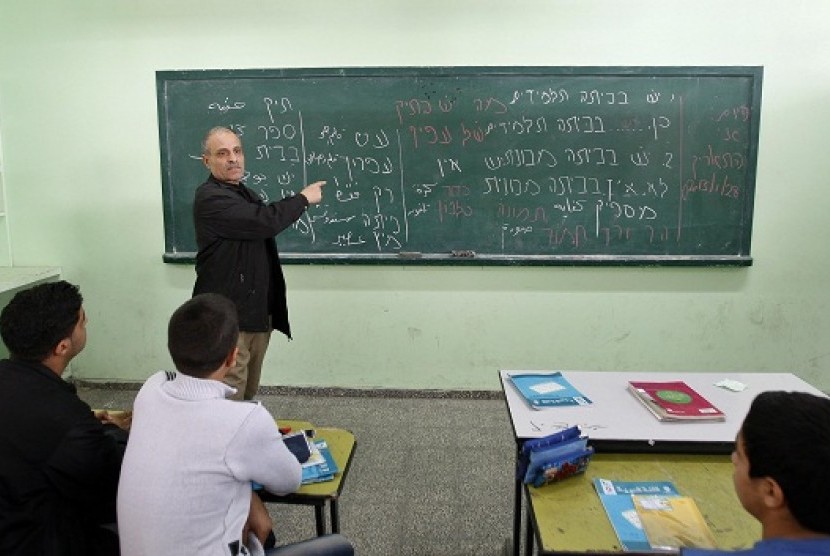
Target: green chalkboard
481, 165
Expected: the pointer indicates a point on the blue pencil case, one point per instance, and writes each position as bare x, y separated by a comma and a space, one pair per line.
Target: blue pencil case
553, 458
538, 444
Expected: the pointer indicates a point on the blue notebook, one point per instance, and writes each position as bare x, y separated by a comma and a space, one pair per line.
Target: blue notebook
541, 390
618, 504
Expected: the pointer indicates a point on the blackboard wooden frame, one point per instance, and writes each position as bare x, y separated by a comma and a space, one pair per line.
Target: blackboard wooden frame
740, 86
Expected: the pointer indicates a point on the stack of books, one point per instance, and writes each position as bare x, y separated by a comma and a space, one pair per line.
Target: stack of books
320, 466
314, 455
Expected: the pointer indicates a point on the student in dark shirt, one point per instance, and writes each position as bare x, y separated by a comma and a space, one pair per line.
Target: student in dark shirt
782, 475
59, 467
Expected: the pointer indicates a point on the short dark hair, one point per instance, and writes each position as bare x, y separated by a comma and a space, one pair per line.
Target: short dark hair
38, 318
202, 333
786, 437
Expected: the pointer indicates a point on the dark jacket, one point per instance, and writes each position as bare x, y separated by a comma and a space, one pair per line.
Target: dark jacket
237, 254
58, 468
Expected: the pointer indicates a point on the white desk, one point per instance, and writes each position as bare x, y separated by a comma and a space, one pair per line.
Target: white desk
616, 417
616, 422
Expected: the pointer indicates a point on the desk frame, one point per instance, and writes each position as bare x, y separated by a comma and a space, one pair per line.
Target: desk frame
642, 433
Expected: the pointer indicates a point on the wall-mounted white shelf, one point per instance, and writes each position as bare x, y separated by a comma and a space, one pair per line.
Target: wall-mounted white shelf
14, 277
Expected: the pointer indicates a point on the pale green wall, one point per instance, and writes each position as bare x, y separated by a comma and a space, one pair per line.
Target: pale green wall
80, 140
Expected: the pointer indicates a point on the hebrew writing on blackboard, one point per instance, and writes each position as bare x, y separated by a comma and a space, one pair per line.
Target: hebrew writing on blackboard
481, 164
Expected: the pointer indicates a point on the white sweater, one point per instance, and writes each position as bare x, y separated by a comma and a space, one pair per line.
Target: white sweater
186, 478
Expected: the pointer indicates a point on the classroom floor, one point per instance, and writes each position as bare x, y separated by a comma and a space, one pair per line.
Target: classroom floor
430, 476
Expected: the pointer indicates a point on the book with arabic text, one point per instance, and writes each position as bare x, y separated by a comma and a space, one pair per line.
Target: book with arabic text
616, 498
674, 401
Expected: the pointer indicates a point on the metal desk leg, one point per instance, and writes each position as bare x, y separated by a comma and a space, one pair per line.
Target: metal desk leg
335, 516
529, 532
319, 520
517, 509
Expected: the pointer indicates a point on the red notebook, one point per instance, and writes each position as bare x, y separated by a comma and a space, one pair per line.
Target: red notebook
674, 401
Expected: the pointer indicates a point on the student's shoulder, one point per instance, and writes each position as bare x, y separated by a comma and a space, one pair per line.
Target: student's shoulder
159, 377
252, 407
253, 410
754, 551
791, 547
709, 552
154, 381
713, 552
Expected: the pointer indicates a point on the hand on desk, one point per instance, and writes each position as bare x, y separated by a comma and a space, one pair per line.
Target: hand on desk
121, 419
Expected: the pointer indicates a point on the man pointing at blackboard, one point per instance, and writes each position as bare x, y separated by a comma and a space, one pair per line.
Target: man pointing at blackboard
237, 253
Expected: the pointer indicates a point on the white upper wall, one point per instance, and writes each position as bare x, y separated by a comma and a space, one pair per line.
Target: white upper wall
83, 188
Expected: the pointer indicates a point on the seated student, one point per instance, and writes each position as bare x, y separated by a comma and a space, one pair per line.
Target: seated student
58, 466
782, 474
186, 479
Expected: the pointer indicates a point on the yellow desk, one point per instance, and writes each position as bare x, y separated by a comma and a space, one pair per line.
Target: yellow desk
342, 445
568, 517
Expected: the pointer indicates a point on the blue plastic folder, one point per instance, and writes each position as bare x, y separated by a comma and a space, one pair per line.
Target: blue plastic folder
554, 457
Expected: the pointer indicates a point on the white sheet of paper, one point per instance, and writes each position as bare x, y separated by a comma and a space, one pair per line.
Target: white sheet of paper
547, 387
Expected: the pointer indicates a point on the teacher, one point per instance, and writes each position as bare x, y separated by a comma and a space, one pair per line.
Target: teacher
237, 252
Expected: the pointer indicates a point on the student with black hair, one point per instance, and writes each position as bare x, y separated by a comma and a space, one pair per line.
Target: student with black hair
194, 452
782, 474
58, 466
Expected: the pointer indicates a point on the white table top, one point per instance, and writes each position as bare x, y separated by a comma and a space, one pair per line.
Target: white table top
616, 417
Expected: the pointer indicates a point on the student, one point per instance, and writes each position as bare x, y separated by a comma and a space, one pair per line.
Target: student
186, 479
237, 253
58, 466
782, 474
